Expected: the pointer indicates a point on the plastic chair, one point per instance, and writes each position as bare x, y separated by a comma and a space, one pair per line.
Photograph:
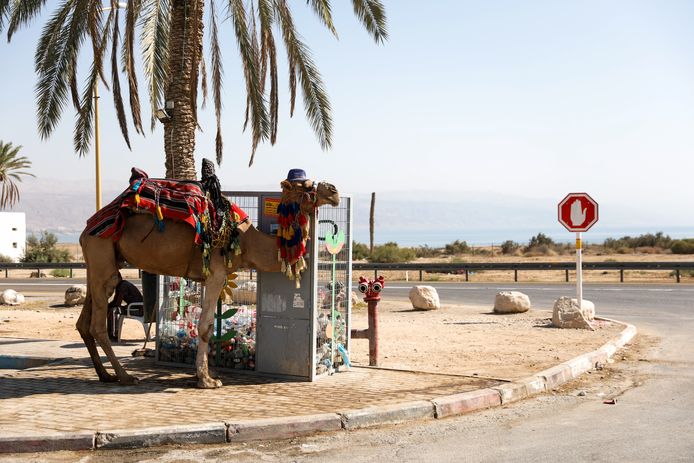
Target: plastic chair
135, 311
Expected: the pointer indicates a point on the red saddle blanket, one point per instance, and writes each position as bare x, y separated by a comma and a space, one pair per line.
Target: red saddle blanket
179, 200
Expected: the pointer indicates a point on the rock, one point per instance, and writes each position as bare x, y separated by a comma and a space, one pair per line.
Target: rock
37, 274
511, 302
11, 297
588, 309
424, 298
75, 295
566, 314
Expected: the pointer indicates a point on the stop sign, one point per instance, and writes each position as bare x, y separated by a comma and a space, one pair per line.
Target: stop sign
578, 212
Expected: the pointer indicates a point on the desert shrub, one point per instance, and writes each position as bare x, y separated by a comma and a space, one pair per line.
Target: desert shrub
426, 251
657, 240
456, 247
5, 259
391, 252
541, 245
509, 247
360, 251
44, 249
60, 273
685, 246
540, 240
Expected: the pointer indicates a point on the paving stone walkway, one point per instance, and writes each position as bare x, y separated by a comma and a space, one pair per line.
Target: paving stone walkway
67, 397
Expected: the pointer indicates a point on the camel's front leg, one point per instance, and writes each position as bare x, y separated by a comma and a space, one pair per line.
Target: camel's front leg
213, 287
83, 326
101, 291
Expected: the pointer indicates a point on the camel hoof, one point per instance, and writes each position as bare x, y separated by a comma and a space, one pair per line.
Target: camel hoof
129, 380
209, 383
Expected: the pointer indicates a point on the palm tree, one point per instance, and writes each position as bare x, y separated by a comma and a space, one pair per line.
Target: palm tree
11, 166
175, 65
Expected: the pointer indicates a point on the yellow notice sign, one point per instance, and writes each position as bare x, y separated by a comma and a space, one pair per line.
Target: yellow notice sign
270, 207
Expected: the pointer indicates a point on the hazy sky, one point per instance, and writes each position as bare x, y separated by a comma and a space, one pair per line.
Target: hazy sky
531, 98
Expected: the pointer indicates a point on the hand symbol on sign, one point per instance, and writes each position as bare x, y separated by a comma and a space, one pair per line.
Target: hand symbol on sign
578, 215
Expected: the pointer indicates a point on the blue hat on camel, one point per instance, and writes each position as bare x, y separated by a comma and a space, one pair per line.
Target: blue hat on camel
296, 175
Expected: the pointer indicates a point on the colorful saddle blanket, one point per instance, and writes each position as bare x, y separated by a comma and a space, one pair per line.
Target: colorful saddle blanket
180, 200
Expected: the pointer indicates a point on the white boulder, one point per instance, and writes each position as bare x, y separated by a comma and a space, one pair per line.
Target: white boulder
567, 314
511, 302
11, 297
75, 295
424, 298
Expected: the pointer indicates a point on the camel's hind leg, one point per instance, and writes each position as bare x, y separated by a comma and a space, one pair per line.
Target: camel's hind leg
83, 324
102, 278
213, 287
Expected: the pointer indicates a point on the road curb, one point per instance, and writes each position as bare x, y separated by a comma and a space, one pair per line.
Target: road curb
208, 433
388, 414
293, 426
283, 427
47, 443
458, 404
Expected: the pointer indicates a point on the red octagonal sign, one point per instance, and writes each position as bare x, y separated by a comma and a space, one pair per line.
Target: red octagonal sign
578, 212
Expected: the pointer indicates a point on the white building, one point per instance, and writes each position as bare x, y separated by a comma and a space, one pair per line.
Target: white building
13, 234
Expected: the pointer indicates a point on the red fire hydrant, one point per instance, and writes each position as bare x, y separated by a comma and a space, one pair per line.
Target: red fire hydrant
372, 294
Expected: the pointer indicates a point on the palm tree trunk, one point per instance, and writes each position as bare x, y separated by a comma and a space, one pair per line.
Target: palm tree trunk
185, 51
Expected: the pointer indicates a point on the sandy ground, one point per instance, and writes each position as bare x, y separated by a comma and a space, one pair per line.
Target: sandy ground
457, 339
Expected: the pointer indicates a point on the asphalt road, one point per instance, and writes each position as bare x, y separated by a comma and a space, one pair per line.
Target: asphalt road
633, 303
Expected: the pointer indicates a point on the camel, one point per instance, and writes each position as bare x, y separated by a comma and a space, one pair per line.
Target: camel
173, 252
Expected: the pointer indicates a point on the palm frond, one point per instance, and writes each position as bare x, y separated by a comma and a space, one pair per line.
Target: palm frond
95, 27
203, 83
57, 63
315, 97
21, 14
217, 73
115, 78
322, 10
84, 126
132, 10
154, 40
372, 14
258, 112
268, 54
5, 11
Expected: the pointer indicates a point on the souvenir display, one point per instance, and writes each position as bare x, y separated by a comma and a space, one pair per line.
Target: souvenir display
178, 329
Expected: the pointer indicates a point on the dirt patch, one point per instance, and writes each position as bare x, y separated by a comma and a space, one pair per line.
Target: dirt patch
469, 340
48, 318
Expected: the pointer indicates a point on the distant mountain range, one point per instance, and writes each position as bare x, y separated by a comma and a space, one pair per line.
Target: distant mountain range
413, 217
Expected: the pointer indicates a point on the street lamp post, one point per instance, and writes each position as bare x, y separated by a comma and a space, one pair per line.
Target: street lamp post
97, 154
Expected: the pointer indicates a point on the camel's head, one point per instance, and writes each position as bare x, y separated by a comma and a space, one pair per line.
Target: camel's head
309, 194
326, 193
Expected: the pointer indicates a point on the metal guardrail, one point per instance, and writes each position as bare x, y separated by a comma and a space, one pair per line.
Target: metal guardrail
458, 268
467, 268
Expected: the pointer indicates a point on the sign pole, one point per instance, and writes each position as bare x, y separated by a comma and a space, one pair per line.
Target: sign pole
579, 270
